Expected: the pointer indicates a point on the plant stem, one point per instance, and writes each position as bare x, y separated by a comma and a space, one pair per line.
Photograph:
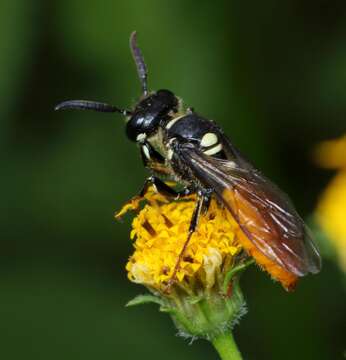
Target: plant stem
226, 347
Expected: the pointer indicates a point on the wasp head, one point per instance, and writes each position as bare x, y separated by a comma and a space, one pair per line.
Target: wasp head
150, 113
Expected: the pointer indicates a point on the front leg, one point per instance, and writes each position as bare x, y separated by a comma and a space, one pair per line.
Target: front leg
159, 186
162, 188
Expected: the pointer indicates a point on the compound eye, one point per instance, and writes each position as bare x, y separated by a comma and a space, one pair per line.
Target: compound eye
133, 130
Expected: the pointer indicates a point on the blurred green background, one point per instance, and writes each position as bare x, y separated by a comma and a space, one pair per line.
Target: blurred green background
271, 73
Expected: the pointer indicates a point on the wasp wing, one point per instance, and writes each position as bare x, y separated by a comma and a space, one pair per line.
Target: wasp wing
262, 210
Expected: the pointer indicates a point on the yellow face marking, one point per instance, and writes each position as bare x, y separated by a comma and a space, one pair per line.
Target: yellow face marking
146, 151
141, 137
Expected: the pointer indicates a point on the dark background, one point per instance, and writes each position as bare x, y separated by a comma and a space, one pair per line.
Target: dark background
271, 73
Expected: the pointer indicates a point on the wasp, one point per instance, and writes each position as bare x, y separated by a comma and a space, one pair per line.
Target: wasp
178, 144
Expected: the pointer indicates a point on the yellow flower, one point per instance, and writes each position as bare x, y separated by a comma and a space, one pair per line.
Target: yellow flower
205, 299
331, 209
161, 231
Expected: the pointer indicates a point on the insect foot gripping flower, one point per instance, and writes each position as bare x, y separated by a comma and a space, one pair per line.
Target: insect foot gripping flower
331, 210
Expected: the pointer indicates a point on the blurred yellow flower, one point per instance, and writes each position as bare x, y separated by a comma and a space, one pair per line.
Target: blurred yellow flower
331, 154
331, 209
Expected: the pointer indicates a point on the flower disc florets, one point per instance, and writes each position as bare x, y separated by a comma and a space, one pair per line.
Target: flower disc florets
161, 229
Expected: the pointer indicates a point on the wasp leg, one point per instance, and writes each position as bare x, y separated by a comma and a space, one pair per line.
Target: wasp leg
202, 203
162, 188
206, 201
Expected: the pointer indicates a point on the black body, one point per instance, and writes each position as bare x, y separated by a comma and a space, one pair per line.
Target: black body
191, 127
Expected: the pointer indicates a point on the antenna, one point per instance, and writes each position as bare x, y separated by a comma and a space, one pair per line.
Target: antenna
140, 64
90, 105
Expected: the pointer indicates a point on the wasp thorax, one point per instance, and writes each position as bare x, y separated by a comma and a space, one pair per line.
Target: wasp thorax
150, 113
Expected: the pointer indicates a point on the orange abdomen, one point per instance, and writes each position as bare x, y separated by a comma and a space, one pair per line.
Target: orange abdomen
255, 223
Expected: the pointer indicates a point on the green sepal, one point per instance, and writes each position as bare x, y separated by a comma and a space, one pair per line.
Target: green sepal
195, 299
236, 270
145, 299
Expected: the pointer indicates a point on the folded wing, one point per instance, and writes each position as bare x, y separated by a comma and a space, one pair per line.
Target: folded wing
263, 212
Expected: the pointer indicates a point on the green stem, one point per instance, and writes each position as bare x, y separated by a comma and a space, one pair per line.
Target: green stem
226, 347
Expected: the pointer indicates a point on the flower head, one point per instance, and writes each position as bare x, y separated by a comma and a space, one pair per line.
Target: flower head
161, 231
205, 272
